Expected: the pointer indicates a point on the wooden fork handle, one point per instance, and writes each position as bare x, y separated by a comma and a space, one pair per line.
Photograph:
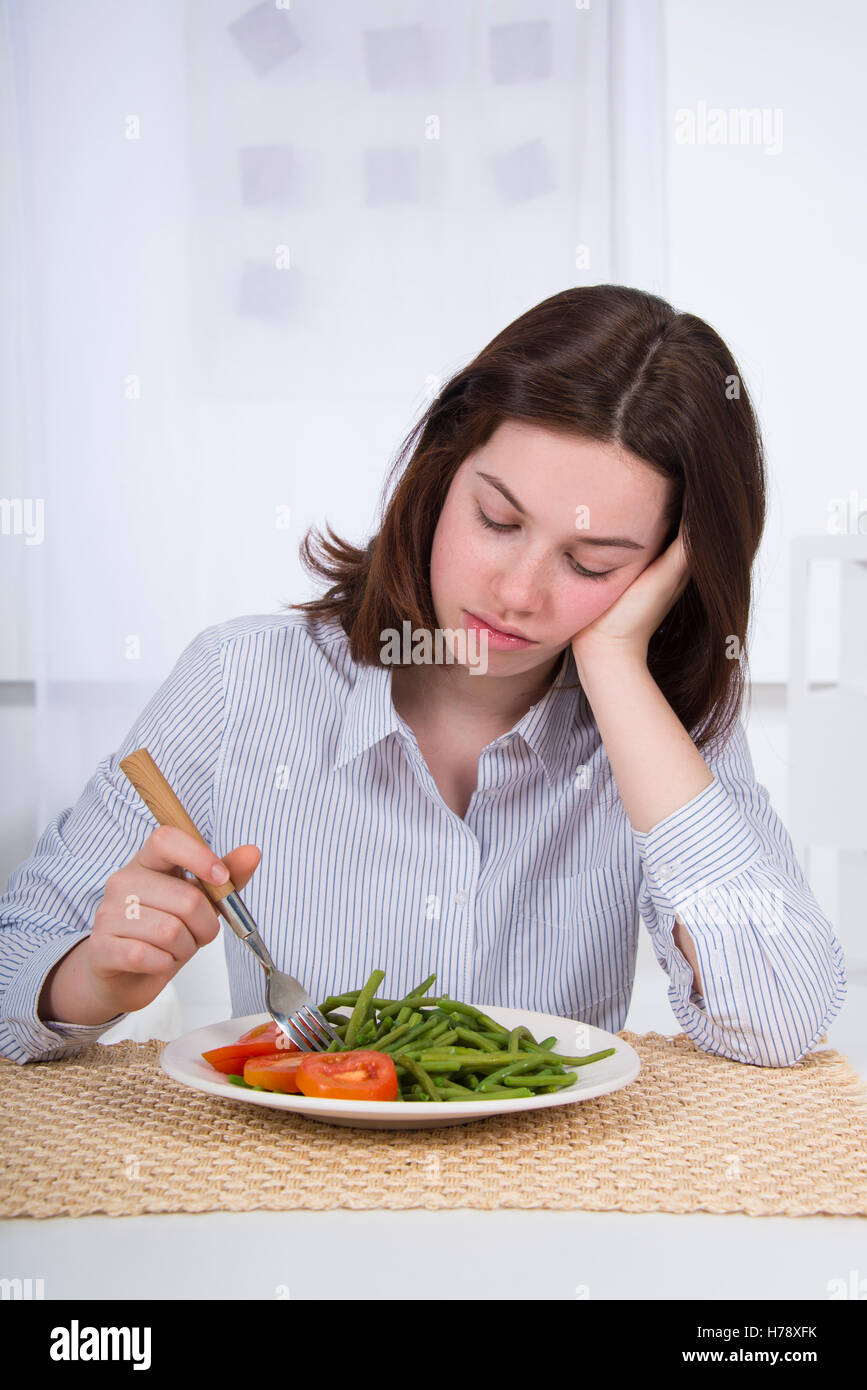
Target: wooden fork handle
157, 795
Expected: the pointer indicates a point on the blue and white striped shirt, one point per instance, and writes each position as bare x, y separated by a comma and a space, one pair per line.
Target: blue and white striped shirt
270, 734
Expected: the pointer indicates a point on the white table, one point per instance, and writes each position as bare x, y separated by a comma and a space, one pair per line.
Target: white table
472, 1254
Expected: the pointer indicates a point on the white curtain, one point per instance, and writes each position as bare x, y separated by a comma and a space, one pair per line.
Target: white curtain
243, 246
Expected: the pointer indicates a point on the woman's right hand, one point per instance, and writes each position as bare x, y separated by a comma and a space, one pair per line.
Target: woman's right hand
150, 922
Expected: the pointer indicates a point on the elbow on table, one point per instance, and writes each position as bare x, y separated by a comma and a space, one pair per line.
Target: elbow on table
744, 1043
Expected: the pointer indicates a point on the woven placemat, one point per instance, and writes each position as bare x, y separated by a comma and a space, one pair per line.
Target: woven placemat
107, 1130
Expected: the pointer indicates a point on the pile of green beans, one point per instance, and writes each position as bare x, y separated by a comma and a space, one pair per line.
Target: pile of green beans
433, 1041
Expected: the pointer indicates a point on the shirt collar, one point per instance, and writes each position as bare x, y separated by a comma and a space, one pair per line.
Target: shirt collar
554, 728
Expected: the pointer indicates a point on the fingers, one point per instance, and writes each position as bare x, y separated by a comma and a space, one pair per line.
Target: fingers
141, 890
242, 863
167, 848
152, 943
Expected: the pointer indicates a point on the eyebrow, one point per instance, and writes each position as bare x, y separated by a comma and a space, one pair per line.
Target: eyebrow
623, 541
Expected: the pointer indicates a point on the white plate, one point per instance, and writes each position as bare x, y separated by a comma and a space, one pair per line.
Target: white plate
183, 1061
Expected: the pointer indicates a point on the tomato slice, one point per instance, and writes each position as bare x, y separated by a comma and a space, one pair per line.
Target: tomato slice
275, 1072
257, 1042
360, 1075
271, 1032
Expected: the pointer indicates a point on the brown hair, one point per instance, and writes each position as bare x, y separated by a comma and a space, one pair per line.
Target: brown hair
615, 365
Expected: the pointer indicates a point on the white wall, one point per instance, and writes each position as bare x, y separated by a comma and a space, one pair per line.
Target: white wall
768, 247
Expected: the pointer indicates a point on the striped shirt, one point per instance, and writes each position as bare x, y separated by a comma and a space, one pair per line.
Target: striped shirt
272, 735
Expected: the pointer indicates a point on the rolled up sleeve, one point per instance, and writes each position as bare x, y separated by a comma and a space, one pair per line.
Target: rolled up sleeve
771, 968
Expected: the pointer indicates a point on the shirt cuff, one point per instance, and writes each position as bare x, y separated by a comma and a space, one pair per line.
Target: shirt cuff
705, 842
24, 1037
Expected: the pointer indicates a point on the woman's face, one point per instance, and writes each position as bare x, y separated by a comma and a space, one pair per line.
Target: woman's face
528, 578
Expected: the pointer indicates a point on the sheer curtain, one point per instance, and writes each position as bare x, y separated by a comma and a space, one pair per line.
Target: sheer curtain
244, 246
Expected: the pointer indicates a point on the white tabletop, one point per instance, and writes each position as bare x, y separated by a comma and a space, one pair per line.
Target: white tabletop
468, 1254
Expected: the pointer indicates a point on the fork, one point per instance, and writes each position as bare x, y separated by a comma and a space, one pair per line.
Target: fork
286, 999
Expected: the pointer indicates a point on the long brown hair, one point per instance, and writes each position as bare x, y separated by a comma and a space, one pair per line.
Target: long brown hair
615, 365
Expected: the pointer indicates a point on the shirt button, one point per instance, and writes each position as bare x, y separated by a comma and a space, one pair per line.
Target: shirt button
665, 871
461, 899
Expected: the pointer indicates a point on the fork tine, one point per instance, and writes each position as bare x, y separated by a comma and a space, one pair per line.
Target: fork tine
302, 1035
307, 1031
319, 1025
323, 1023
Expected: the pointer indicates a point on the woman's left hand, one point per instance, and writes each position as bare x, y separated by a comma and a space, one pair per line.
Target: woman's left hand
628, 625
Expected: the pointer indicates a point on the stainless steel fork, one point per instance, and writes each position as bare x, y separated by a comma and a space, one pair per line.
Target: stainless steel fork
286, 999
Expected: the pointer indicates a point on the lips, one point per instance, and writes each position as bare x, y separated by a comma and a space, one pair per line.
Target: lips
495, 627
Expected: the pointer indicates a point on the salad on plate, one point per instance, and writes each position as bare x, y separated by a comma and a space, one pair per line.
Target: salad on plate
418, 1048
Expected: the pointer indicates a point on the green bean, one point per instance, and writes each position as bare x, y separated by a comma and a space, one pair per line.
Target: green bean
416, 1029
391, 1037
239, 1081
432, 1027
445, 1085
437, 1030
453, 1006
518, 1093
414, 1024
419, 1073
470, 1057
469, 1036
441, 1068
463, 1050
382, 1027
417, 1051
545, 1056
334, 1001
389, 1006
414, 994
422, 988
525, 1064
579, 1061
542, 1078
359, 1013
433, 1040
366, 1035
446, 1059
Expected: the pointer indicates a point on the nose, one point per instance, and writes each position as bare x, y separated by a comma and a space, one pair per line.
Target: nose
519, 588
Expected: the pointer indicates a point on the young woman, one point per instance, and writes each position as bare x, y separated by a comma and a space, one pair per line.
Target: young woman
587, 495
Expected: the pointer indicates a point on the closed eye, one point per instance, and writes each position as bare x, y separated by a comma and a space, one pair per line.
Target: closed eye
574, 565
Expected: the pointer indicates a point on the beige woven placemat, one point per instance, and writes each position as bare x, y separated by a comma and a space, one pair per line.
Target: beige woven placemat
107, 1130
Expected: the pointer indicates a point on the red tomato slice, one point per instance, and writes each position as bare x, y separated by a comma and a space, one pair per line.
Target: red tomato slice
276, 1072
270, 1032
270, 1029
360, 1075
257, 1042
